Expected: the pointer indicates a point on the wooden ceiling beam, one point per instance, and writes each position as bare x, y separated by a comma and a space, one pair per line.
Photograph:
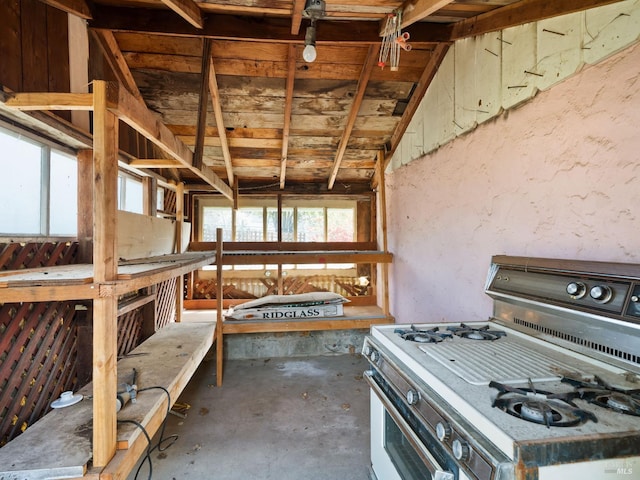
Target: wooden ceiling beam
371, 60
217, 111
519, 13
288, 107
155, 163
116, 60
201, 125
187, 9
229, 27
296, 16
418, 93
415, 10
79, 8
50, 101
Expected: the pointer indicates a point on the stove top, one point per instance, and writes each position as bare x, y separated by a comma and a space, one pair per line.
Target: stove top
466, 373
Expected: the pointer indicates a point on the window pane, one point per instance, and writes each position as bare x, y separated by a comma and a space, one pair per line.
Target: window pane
213, 218
63, 195
311, 225
249, 225
287, 224
133, 198
340, 225
160, 199
21, 185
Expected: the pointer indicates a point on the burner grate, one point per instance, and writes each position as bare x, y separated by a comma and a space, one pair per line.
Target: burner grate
479, 363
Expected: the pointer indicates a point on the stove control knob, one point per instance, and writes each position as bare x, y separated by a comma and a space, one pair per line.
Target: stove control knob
443, 431
601, 293
374, 356
412, 397
577, 289
460, 449
368, 350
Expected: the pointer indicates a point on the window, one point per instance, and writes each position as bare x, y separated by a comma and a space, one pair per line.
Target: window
130, 193
40, 182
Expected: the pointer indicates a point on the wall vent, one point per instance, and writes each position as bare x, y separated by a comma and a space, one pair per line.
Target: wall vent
624, 355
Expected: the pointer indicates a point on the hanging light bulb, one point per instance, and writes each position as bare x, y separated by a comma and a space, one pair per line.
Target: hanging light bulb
313, 10
309, 52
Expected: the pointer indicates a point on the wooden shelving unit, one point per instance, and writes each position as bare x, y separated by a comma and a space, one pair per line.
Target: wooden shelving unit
104, 448
358, 316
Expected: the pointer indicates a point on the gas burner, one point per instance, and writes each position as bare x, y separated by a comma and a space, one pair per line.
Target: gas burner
538, 406
433, 335
604, 395
481, 333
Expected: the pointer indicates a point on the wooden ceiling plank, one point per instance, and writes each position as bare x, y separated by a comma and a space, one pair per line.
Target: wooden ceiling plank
296, 17
415, 10
188, 10
372, 59
288, 107
217, 111
519, 13
421, 88
79, 8
134, 113
50, 101
203, 100
116, 60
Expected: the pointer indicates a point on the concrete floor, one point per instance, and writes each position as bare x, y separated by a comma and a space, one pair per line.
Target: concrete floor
287, 418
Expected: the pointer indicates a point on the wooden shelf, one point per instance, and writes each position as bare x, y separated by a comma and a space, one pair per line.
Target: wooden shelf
76, 282
169, 358
306, 257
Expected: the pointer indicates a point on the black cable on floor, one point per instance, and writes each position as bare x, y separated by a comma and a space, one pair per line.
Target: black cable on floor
158, 446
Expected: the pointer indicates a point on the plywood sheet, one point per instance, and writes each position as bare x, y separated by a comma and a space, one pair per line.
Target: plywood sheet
142, 236
518, 56
559, 48
610, 28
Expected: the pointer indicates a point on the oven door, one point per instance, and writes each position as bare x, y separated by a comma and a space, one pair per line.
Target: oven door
397, 452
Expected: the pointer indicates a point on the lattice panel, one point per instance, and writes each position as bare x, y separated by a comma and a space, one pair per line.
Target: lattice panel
38, 356
165, 303
15, 256
169, 201
129, 331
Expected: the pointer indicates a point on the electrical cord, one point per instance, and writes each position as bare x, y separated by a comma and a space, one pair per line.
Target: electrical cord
158, 446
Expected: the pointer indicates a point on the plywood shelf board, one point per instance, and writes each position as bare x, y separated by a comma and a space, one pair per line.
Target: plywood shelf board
59, 445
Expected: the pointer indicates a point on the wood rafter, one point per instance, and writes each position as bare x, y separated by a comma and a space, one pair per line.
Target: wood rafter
116, 61
288, 106
415, 10
296, 17
217, 112
524, 11
78, 8
188, 10
202, 103
371, 60
229, 27
418, 93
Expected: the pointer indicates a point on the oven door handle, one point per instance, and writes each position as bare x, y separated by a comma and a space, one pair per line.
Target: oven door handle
437, 473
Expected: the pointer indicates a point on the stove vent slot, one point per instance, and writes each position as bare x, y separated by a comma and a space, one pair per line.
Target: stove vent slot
627, 356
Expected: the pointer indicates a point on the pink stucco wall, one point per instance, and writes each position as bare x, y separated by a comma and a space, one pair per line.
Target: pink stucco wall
557, 177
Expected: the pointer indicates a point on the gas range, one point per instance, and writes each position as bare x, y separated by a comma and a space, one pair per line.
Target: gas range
561, 350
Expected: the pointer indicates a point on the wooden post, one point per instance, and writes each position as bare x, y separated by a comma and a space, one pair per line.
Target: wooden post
85, 206
219, 294
179, 240
382, 200
105, 270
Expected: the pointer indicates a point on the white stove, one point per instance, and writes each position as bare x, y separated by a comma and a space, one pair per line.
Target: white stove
548, 388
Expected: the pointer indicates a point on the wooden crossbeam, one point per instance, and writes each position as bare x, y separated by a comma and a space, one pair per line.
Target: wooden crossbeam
519, 13
217, 111
188, 10
372, 58
115, 59
78, 8
155, 163
415, 10
288, 107
50, 101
